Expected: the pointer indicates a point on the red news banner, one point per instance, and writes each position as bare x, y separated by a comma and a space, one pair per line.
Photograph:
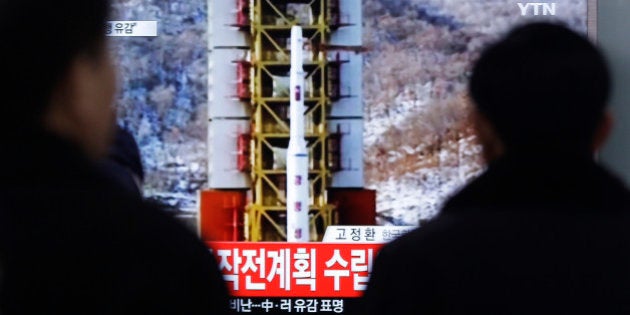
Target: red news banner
267, 269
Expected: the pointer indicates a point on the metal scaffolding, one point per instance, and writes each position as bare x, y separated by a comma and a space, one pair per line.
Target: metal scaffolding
270, 26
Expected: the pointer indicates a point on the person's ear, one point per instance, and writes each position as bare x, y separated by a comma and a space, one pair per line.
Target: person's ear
603, 130
493, 147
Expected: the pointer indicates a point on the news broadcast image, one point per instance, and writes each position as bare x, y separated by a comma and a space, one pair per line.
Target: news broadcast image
207, 89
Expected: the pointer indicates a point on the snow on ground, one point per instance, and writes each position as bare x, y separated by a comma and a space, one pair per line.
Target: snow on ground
418, 196
418, 143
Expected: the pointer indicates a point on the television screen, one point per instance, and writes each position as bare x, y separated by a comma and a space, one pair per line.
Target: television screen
417, 143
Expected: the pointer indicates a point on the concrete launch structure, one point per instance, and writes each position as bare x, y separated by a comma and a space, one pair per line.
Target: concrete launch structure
285, 127
297, 155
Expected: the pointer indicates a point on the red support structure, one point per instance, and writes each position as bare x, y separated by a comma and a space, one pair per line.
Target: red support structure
243, 79
334, 79
334, 152
242, 14
334, 90
221, 214
243, 153
354, 206
335, 13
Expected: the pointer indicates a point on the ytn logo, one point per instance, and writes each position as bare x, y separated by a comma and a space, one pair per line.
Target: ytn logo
537, 8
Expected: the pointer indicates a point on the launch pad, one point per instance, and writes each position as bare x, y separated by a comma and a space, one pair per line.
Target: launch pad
250, 121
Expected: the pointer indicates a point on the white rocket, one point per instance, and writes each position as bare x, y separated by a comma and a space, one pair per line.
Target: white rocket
297, 153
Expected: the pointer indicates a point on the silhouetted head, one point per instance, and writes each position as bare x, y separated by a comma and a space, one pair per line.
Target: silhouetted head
55, 62
542, 87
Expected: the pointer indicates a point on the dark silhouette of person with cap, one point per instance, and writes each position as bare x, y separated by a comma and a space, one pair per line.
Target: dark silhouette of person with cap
545, 229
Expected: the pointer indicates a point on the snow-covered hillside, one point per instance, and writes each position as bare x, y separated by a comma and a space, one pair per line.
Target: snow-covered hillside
163, 97
419, 144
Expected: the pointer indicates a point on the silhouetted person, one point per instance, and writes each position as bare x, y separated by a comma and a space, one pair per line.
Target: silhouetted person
123, 163
544, 230
71, 242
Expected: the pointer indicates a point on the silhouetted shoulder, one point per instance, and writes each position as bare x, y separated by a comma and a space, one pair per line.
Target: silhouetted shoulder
78, 241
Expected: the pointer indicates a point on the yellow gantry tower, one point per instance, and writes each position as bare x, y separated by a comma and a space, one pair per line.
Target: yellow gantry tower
269, 64
248, 117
